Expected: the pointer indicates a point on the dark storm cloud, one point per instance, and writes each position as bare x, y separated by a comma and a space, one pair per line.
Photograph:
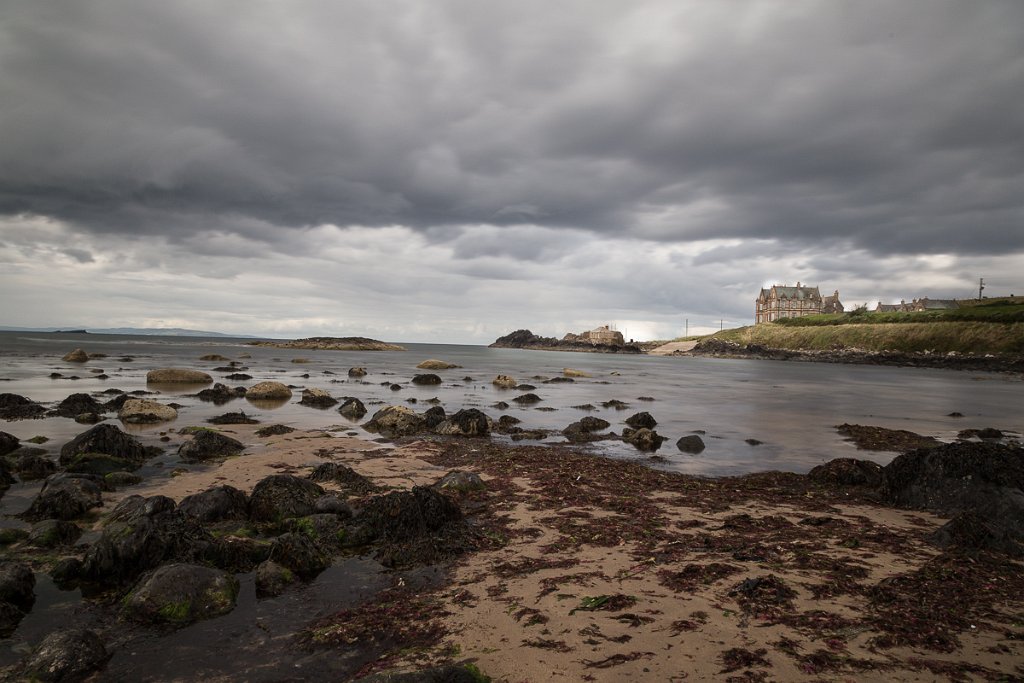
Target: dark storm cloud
897, 127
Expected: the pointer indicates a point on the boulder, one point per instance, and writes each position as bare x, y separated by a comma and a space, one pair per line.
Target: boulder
119, 480
177, 376
642, 421
527, 399
219, 394
53, 533
145, 411
31, 465
272, 579
421, 525
215, 504
584, 429
65, 572
426, 379
17, 584
104, 438
66, 655
352, 408
570, 372
8, 443
691, 443
76, 356
504, 382
214, 357
447, 673
88, 418
65, 496
299, 553
643, 439
466, 422
434, 416
357, 372
140, 534
461, 481
344, 476
395, 421
280, 496
434, 364
317, 398
980, 484
16, 407
842, 472
268, 391
77, 404
180, 594
207, 444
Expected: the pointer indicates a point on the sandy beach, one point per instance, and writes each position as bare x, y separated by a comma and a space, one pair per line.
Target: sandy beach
589, 569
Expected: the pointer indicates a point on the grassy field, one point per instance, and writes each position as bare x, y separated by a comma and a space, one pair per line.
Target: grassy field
990, 326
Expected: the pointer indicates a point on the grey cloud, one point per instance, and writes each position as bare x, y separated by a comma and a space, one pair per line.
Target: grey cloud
898, 128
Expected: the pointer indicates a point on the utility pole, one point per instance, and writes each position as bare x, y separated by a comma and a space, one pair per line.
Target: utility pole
721, 325
687, 328
981, 287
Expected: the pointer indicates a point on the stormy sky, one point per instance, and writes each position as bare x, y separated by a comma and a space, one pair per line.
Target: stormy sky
456, 169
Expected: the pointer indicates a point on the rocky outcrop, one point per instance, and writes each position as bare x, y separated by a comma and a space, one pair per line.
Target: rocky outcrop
642, 421
467, 422
583, 430
177, 376
220, 394
843, 472
643, 439
281, 496
16, 407
215, 504
300, 554
141, 534
410, 527
395, 421
77, 404
524, 339
65, 656
317, 398
352, 408
331, 344
691, 443
146, 411
239, 418
980, 484
721, 348
268, 391
76, 356
504, 382
107, 439
65, 496
427, 379
181, 594
434, 364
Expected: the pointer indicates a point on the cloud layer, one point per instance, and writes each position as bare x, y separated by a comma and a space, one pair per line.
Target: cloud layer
494, 165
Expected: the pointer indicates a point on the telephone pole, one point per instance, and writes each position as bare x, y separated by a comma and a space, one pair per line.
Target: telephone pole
981, 287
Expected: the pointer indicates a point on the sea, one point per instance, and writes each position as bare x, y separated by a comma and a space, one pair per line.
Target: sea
753, 415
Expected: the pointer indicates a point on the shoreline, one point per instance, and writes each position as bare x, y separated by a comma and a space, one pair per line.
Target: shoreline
590, 568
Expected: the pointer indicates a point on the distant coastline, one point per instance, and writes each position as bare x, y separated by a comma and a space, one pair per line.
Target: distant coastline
141, 331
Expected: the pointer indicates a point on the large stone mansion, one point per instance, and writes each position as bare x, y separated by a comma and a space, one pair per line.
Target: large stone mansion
783, 301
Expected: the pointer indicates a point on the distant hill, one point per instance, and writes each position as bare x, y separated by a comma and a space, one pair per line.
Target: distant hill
145, 331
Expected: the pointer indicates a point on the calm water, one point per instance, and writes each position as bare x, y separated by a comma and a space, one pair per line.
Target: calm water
791, 407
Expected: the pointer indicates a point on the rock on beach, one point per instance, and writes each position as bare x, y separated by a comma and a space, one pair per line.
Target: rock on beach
268, 391
177, 376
